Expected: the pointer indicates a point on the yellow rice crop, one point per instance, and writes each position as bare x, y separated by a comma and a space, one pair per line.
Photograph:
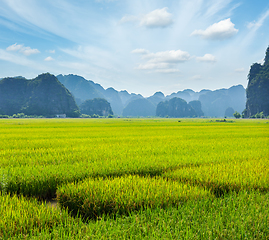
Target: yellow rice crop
226, 176
94, 197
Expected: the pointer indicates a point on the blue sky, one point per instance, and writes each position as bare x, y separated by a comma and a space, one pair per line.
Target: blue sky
141, 46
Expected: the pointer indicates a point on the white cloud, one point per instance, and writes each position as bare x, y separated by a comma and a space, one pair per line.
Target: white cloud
157, 18
253, 27
19, 60
173, 56
207, 58
140, 51
150, 66
168, 70
14, 47
29, 51
161, 67
257, 24
218, 31
163, 62
254, 24
51, 51
20, 47
48, 59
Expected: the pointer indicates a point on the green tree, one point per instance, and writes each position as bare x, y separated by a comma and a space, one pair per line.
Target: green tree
259, 115
244, 113
237, 114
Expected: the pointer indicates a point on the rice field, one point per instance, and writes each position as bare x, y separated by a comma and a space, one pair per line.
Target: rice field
134, 179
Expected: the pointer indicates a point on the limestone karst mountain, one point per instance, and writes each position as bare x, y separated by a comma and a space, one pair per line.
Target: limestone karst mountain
43, 95
258, 88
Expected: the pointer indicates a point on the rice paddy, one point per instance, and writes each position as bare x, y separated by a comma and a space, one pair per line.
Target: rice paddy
134, 178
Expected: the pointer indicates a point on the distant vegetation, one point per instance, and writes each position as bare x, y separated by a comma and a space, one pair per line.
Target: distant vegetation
258, 89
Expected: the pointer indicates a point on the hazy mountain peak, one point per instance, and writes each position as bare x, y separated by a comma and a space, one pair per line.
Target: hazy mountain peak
159, 94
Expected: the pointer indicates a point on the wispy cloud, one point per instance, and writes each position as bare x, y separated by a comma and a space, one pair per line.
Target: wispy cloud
253, 28
215, 6
48, 59
29, 51
154, 65
21, 48
165, 62
255, 25
19, 59
173, 56
207, 58
218, 31
140, 51
155, 19
14, 47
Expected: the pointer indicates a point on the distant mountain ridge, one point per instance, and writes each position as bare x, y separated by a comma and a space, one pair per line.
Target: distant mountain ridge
213, 103
83, 89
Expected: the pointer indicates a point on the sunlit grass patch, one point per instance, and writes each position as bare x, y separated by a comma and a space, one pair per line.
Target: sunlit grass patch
21, 216
122, 195
226, 176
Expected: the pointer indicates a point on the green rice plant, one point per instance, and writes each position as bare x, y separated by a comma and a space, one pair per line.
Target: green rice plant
226, 176
21, 216
42, 154
93, 198
39, 156
243, 215
4, 180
